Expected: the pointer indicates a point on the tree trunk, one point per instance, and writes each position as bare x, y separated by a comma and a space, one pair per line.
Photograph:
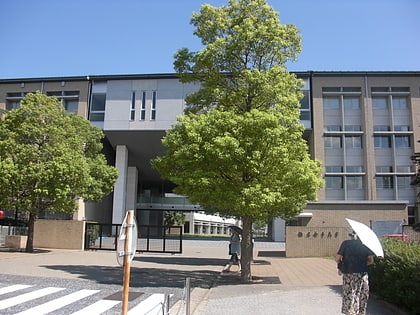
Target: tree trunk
246, 249
30, 241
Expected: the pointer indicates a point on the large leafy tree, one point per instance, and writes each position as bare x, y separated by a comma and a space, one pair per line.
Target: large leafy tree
239, 148
49, 158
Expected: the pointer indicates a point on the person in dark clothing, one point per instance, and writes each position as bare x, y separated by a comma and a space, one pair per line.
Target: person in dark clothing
355, 258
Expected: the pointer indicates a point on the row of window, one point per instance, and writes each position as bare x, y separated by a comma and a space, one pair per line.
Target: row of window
359, 169
98, 100
355, 142
69, 99
356, 128
352, 102
356, 182
349, 98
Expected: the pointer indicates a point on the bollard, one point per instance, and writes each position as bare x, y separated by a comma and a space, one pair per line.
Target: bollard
187, 298
166, 305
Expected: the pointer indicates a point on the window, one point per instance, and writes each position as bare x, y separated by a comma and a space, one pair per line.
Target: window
384, 182
333, 169
399, 102
353, 142
305, 115
354, 169
331, 89
133, 106
304, 102
13, 100
153, 108
402, 142
97, 107
402, 128
143, 106
400, 89
332, 142
331, 102
381, 128
382, 141
352, 128
404, 169
351, 102
384, 169
354, 182
332, 128
403, 182
380, 89
69, 99
333, 182
71, 106
379, 102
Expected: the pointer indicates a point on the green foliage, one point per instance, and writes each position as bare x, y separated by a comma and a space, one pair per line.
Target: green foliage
174, 218
250, 164
242, 65
49, 158
239, 150
396, 278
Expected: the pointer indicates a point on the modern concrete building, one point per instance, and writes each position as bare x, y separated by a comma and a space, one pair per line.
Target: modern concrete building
363, 126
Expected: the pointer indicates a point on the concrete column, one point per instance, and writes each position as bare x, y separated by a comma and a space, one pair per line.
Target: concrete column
79, 215
279, 230
121, 162
131, 197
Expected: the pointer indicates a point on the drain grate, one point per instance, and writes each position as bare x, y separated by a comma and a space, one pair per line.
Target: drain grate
118, 296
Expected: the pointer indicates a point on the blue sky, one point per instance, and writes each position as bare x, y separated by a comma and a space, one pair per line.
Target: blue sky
43, 38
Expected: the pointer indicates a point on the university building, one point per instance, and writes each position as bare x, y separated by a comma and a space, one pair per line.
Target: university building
363, 126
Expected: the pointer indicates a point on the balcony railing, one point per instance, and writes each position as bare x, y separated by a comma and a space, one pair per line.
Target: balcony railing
175, 203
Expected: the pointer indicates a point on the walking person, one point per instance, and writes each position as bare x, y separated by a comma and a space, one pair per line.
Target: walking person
234, 250
353, 258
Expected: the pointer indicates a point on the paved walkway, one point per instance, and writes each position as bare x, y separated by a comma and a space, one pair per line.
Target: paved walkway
282, 285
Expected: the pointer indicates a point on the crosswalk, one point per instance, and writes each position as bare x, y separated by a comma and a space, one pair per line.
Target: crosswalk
23, 299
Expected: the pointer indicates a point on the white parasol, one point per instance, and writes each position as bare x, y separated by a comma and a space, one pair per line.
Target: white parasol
367, 237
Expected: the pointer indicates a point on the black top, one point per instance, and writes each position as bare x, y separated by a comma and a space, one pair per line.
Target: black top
355, 256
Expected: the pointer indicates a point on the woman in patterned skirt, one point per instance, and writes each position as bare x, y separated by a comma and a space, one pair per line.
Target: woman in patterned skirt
355, 257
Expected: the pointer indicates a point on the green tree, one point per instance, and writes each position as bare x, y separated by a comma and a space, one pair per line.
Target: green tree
174, 218
239, 148
48, 159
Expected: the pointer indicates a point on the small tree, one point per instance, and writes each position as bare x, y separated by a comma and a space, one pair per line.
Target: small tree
48, 159
174, 218
239, 149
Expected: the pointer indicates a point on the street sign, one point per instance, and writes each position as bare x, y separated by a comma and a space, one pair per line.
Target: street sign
128, 232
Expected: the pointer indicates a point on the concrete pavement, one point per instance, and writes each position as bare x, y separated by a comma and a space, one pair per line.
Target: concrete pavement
282, 285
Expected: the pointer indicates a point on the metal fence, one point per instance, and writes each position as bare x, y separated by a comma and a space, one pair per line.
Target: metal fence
413, 235
150, 238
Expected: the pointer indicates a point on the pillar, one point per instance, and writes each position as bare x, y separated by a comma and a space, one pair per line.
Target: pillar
119, 204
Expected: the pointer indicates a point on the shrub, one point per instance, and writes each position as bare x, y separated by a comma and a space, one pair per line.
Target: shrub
396, 277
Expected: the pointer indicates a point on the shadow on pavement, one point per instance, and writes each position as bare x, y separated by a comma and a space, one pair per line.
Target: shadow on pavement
141, 277
376, 306
191, 261
23, 250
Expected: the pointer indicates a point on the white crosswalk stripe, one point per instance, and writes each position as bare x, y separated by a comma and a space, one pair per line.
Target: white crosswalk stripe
58, 303
27, 297
97, 308
152, 305
13, 288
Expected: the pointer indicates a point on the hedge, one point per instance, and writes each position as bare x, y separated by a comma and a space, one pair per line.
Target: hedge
396, 277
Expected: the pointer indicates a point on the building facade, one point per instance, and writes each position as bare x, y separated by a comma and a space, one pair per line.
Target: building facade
362, 126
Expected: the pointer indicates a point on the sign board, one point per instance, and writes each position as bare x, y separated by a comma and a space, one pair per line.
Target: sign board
128, 232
